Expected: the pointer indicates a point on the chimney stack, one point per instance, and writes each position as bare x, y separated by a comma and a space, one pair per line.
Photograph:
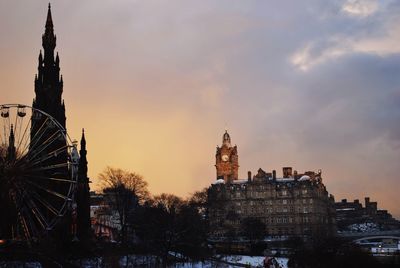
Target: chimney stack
287, 172
274, 174
249, 176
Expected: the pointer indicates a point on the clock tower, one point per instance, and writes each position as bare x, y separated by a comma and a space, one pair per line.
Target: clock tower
226, 160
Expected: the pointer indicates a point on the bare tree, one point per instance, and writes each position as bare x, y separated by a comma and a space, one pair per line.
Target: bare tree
124, 191
170, 202
134, 182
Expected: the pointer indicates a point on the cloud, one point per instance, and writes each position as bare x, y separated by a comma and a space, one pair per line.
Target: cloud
361, 8
378, 35
316, 53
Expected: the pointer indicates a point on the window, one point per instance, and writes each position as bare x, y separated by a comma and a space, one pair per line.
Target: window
284, 192
284, 201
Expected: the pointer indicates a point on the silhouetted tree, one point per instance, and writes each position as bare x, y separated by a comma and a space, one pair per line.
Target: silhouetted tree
113, 177
331, 252
123, 192
199, 200
156, 224
191, 228
168, 223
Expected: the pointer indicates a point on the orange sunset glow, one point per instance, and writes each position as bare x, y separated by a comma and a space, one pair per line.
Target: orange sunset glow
156, 83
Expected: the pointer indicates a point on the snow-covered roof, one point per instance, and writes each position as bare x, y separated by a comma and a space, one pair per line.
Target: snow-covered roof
304, 178
284, 179
219, 181
239, 181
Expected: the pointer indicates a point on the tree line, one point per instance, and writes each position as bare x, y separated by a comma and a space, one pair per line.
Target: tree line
158, 224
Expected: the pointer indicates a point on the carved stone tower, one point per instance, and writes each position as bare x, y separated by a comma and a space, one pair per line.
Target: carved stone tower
227, 160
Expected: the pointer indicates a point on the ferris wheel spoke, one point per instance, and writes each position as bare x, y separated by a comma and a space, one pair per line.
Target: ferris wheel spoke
5, 127
22, 141
2, 140
38, 215
15, 124
22, 162
45, 157
21, 219
50, 191
45, 204
51, 178
32, 227
17, 131
50, 167
24, 225
38, 134
44, 145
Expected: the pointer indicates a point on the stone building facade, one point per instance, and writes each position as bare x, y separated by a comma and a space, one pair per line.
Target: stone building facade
353, 216
296, 204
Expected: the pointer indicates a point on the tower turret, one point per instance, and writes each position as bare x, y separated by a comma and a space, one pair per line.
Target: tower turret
226, 139
83, 194
49, 38
11, 151
227, 160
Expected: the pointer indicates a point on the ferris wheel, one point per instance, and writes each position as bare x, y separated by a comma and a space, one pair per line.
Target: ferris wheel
38, 172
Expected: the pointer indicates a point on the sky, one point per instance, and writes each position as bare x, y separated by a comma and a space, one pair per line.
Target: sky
311, 84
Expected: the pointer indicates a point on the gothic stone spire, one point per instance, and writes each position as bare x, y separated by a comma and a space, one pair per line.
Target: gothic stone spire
83, 194
48, 84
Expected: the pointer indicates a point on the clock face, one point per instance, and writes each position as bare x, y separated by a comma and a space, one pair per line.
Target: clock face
225, 157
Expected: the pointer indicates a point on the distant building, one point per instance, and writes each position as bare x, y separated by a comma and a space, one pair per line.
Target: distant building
104, 219
353, 216
293, 205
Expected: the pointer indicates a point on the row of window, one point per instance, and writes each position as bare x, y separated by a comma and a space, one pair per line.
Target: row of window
263, 194
278, 220
278, 201
291, 209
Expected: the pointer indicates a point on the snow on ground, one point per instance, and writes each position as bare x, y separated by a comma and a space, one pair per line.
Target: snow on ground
17, 264
363, 227
253, 261
150, 261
